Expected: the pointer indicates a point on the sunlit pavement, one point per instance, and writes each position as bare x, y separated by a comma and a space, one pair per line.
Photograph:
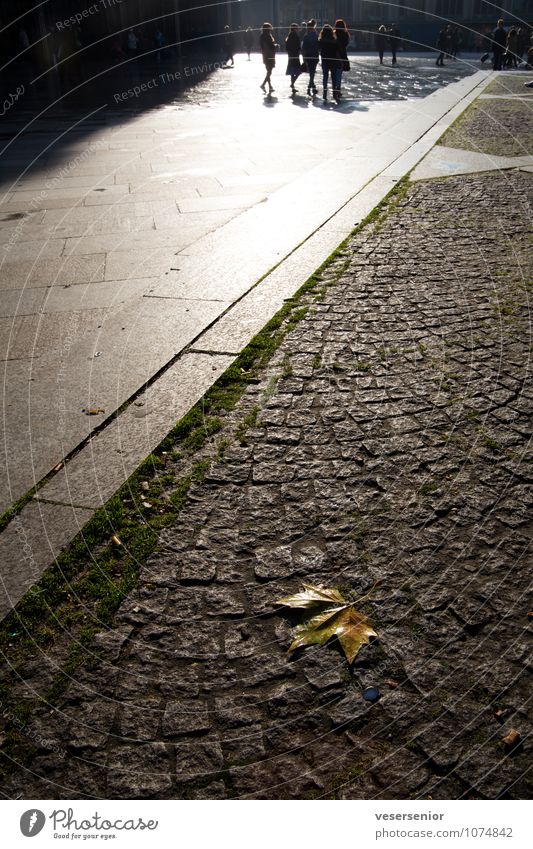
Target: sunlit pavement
107, 275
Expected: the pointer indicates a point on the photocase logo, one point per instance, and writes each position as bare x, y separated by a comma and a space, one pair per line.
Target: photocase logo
32, 822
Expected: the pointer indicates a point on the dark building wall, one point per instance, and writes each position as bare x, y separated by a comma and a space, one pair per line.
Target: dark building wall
179, 20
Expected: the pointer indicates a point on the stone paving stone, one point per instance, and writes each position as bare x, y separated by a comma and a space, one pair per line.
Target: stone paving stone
389, 444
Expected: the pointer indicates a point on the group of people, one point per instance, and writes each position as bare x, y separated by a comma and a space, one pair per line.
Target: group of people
330, 47
508, 46
390, 36
448, 43
137, 45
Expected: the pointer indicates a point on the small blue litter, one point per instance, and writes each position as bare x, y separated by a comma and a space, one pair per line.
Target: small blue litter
371, 694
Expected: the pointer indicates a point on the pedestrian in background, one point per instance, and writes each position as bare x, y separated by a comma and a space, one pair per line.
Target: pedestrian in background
522, 40
381, 42
228, 46
248, 41
327, 46
454, 41
442, 46
268, 47
394, 39
117, 53
293, 47
132, 42
499, 42
310, 54
343, 64
510, 60
159, 42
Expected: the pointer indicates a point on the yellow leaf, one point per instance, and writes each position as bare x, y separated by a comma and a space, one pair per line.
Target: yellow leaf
353, 631
313, 595
340, 619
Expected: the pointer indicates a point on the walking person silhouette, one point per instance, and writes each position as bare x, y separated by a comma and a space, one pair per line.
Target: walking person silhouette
268, 47
293, 48
310, 54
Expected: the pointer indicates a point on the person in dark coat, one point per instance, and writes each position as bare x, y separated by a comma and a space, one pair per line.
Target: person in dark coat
268, 47
394, 39
442, 46
228, 45
499, 41
454, 42
327, 45
293, 47
248, 41
381, 42
511, 52
310, 54
343, 37
522, 40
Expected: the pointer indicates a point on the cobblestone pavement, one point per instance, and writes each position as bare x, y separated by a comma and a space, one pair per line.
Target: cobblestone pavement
388, 439
506, 83
502, 127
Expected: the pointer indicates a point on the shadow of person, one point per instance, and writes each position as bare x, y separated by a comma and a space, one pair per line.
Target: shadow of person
349, 106
300, 100
345, 107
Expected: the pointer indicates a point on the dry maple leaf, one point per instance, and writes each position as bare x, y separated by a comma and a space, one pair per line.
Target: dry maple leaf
340, 620
313, 596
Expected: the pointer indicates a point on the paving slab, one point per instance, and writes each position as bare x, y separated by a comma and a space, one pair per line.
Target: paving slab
80, 360
52, 271
31, 543
108, 460
16, 302
444, 161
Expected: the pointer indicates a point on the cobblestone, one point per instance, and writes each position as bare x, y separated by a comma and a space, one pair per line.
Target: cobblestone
400, 455
500, 127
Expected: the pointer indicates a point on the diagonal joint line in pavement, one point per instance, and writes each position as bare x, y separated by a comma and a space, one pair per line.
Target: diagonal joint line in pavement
54, 503
177, 298
214, 353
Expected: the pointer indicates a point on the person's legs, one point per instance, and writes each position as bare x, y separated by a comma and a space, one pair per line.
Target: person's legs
337, 80
381, 57
269, 68
312, 71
